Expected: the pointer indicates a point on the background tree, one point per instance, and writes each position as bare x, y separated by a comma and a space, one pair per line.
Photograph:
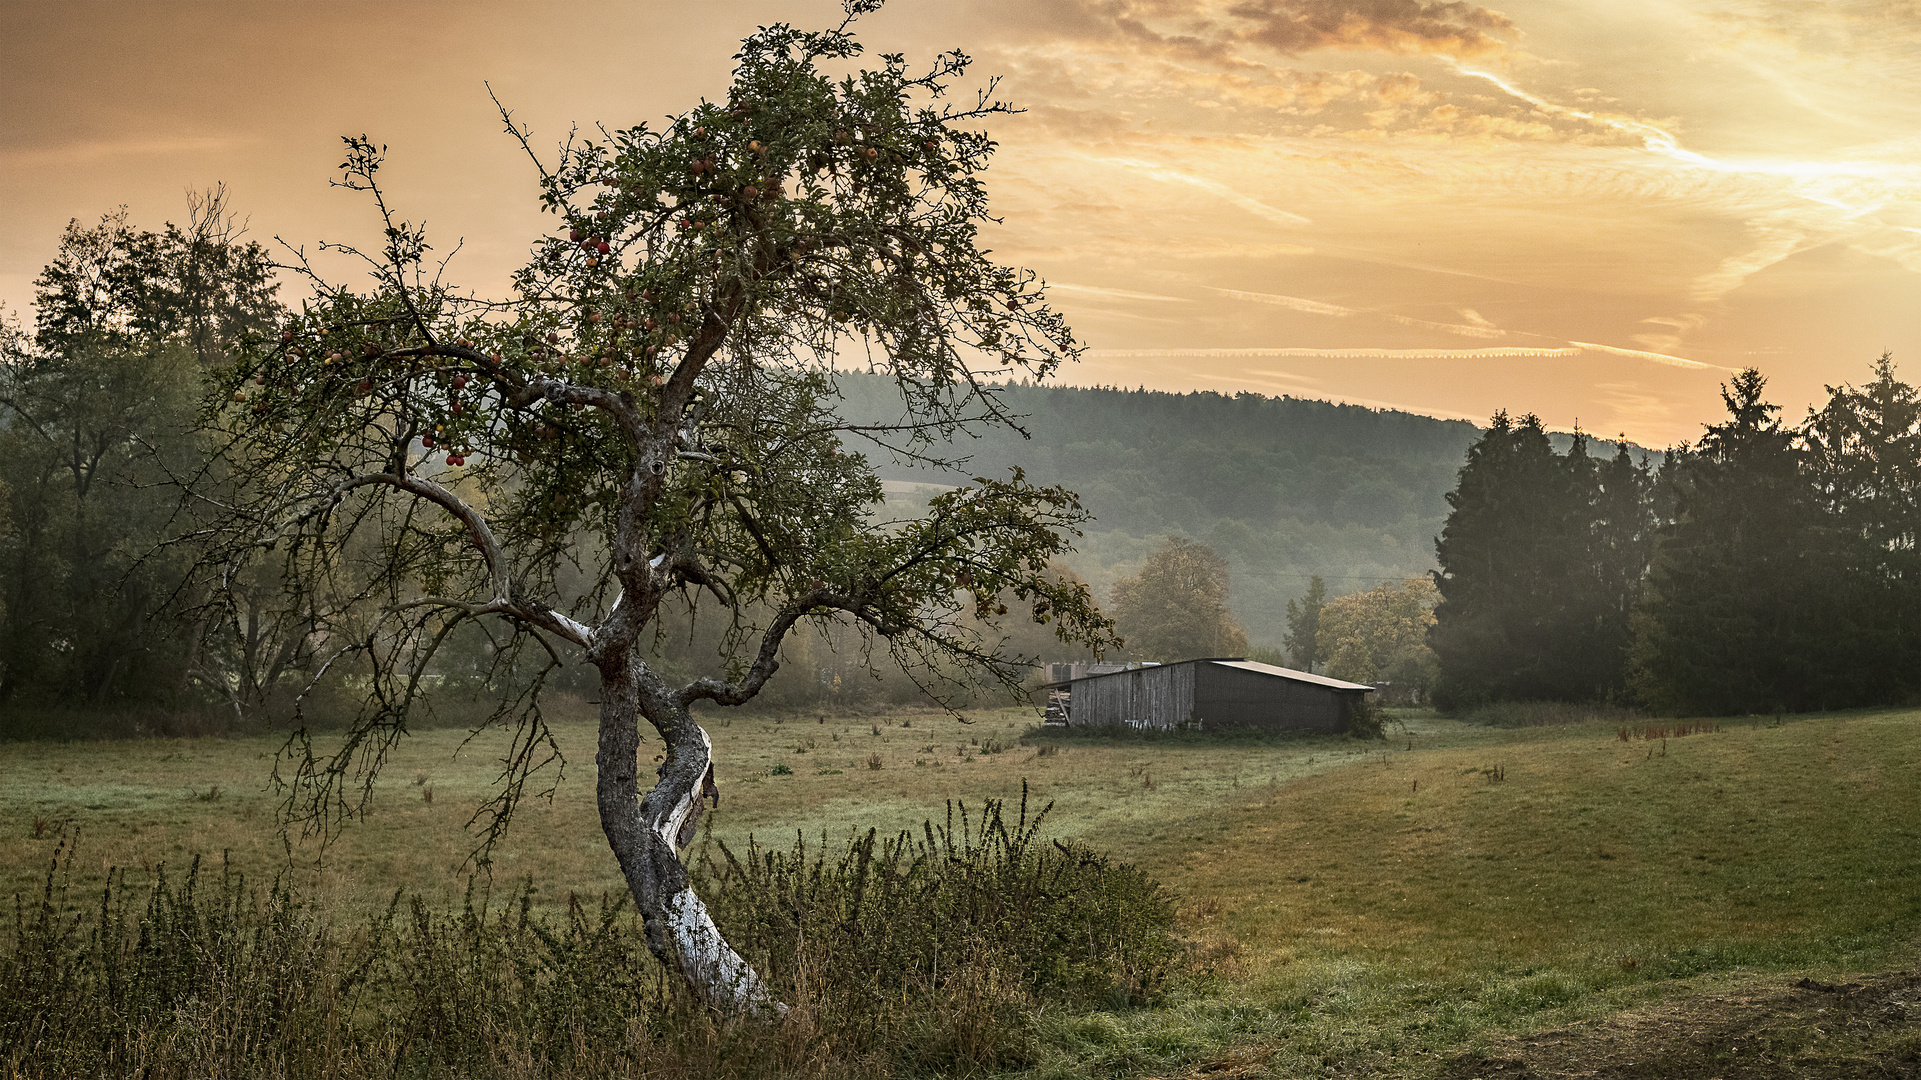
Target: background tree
1381, 636
649, 422
1783, 576
1302, 642
1540, 563
1744, 610
97, 405
1863, 456
1177, 607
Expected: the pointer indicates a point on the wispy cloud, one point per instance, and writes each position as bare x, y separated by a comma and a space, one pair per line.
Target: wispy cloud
1316, 307
1573, 348
1213, 187
1403, 27
1643, 354
1336, 354
1294, 303
95, 151
1266, 380
1116, 294
1205, 33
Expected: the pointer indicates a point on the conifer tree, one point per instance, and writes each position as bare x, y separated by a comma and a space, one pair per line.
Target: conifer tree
1864, 459
1745, 609
1303, 626
1508, 578
1620, 540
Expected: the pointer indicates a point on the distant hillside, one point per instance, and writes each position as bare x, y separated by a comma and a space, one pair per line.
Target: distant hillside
1283, 488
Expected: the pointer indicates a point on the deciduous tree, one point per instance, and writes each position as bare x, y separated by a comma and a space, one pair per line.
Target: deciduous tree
95, 406
1381, 635
1177, 607
651, 419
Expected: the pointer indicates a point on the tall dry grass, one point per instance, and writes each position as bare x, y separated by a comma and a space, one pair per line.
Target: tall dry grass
907, 957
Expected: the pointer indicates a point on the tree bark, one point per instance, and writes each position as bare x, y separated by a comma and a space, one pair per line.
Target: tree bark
646, 833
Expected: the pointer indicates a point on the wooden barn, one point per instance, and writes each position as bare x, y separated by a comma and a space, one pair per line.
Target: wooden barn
1213, 694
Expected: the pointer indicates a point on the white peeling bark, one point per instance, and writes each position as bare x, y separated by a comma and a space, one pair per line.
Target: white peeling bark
646, 833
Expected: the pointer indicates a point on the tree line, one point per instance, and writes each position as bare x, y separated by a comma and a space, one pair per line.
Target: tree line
1767, 567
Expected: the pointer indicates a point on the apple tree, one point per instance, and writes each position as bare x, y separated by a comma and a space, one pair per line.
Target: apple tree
649, 420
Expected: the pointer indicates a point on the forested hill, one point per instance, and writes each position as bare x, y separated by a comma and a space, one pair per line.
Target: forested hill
1283, 488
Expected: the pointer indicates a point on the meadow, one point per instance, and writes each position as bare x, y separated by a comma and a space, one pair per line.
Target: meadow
1408, 907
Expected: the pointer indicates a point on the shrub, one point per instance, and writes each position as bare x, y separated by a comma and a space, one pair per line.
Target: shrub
910, 913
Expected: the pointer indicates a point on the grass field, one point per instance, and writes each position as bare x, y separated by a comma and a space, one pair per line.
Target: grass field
1357, 908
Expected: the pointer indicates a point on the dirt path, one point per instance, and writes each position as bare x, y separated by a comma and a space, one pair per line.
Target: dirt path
1807, 1030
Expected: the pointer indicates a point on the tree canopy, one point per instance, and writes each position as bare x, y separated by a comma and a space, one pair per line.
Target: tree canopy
1381, 636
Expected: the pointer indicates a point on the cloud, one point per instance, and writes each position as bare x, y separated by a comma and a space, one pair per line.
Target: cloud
1679, 326
1316, 307
1448, 328
95, 151
1401, 27
1573, 348
1291, 385
1214, 187
1295, 303
1191, 32
1340, 354
1642, 354
1117, 294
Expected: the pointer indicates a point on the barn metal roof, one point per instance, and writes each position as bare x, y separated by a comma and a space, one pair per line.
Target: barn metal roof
1290, 673
1244, 665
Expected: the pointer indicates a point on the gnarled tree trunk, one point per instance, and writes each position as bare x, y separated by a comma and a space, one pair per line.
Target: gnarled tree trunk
646, 833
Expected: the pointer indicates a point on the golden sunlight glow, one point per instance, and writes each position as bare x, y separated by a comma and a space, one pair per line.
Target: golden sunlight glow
1584, 210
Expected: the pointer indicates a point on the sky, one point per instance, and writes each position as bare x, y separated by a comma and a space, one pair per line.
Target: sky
1592, 210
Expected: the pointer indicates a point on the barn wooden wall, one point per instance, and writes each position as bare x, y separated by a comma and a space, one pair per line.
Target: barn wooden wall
1210, 696
1155, 697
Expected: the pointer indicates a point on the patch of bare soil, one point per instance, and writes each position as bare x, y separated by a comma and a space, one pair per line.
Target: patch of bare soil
1807, 1030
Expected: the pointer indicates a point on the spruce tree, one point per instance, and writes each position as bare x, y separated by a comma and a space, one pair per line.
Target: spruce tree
1864, 458
1745, 610
1541, 565
1506, 579
1620, 542
1303, 626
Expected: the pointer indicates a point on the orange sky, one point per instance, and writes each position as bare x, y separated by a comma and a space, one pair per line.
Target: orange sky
1590, 209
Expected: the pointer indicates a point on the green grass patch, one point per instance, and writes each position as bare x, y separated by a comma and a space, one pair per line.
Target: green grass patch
1355, 905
